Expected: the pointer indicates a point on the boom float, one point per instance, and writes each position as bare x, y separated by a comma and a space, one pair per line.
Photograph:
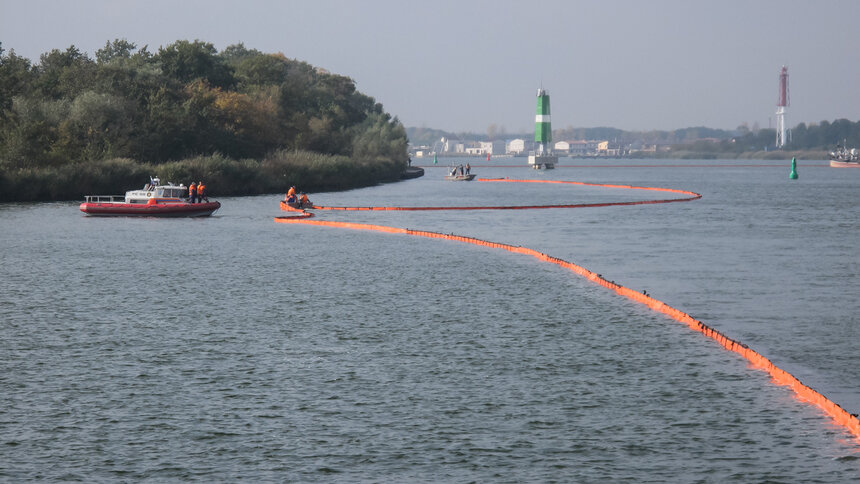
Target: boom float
781, 377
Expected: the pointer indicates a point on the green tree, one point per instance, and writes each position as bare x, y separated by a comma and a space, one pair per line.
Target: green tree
186, 100
380, 136
32, 130
190, 61
118, 49
238, 52
16, 78
261, 70
98, 126
64, 73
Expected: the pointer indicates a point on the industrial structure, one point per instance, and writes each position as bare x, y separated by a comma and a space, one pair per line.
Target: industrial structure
542, 156
781, 104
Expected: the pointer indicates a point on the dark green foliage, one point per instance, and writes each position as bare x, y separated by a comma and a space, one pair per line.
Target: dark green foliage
118, 49
188, 61
62, 118
16, 78
63, 75
260, 70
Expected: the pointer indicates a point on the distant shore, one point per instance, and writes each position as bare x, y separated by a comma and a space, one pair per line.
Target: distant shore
666, 155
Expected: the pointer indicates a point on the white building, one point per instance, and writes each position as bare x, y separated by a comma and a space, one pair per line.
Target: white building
519, 146
493, 147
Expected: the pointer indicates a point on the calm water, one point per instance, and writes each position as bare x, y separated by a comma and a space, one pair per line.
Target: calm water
234, 348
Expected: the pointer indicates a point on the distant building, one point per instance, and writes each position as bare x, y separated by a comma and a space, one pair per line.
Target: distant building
492, 147
578, 148
573, 148
519, 146
608, 148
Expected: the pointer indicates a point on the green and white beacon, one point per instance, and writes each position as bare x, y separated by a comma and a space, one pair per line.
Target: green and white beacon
542, 156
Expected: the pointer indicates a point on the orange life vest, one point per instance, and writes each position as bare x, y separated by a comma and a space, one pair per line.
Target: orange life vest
201, 189
192, 190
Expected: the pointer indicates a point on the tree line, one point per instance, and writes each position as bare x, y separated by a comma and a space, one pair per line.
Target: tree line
187, 105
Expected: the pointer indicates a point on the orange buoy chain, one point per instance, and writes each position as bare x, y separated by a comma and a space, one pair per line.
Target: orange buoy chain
689, 196
781, 377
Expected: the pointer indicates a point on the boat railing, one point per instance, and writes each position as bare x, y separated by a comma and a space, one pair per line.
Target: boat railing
104, 198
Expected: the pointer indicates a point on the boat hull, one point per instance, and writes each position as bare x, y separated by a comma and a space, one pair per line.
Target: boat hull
844, 164
295, 205
468, 177
150, 210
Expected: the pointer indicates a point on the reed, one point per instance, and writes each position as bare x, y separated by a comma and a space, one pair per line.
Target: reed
308, 171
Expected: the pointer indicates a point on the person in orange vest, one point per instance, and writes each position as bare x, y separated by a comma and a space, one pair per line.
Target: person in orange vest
201, 192
291, 193
192, 192
303, 201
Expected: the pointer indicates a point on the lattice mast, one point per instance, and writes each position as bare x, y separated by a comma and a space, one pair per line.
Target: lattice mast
781, 104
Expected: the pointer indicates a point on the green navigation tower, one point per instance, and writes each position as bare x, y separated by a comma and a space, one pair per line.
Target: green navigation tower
542, 156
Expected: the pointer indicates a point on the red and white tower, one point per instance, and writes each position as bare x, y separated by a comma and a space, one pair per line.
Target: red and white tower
781, 104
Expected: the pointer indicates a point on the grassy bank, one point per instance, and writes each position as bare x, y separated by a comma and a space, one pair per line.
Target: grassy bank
311, 172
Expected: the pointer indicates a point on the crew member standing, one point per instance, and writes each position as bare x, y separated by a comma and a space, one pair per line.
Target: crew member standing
291, 192
201, 192
192, 192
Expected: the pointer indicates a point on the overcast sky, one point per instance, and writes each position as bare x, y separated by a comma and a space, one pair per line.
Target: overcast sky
464, 65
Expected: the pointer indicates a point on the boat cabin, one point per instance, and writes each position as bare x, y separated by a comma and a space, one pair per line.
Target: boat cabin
155, 190
152, 192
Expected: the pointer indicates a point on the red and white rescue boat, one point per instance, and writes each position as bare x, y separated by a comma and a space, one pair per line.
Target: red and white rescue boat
154, 200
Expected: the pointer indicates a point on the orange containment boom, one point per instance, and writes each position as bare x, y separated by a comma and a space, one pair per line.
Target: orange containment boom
781, 377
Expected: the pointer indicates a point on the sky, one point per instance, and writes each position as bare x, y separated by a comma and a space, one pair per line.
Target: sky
467, 65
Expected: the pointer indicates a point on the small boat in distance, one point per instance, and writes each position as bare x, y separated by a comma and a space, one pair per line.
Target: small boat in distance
842, 157
154, 200
460, 173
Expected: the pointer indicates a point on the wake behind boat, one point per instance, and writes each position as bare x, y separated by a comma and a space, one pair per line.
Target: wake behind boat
154, 200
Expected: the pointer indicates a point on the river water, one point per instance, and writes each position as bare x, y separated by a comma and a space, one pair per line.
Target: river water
235, 348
